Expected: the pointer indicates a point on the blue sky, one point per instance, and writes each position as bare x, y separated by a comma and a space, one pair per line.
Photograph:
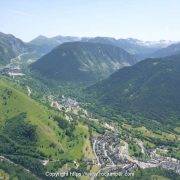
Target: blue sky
142, 19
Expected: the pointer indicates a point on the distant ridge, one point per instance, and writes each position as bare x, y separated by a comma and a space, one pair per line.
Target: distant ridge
45, 44
173, 49
82, 61
10, 47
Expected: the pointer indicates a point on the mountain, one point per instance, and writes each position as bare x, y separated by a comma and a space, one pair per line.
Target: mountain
139, 48
44, 44
10, 47
150, 88
168, 51
82, 61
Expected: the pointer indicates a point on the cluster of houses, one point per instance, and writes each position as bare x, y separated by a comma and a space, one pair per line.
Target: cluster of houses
107, 151
64, 103
107, 148
170, 165
126, 170
11, 71
69, 103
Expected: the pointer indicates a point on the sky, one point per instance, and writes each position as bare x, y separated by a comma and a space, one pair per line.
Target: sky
141, 19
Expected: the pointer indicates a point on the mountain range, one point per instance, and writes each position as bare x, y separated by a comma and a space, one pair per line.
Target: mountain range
45, 44
139, 48
10, 47
173, 49
82, 62
133, 46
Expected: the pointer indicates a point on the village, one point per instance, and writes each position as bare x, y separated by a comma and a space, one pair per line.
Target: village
11, 71
112, 157
112, 153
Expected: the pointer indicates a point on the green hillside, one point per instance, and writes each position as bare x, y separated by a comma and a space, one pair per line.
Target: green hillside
82, 62
149, 89
30, 133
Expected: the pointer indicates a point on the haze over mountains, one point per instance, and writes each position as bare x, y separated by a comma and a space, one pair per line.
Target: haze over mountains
170, 50
45, 44
133, 46
139, 48
12, 46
